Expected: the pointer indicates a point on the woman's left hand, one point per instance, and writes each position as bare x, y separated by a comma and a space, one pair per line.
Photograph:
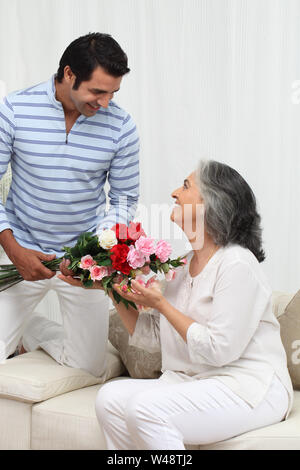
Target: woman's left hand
146, 296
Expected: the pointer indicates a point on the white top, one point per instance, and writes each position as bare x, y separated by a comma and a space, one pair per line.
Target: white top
235, 337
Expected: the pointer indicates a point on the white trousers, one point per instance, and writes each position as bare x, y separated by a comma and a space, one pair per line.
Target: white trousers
81, 341
150, 414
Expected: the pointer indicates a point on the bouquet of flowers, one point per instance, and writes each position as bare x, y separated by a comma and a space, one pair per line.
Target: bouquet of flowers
117, 255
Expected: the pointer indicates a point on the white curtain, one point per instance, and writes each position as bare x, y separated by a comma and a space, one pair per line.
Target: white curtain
209, 79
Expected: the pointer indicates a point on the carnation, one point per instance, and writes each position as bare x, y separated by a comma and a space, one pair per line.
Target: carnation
146, 246
119, 258
135, 258
163, 250
135, 231
121, 232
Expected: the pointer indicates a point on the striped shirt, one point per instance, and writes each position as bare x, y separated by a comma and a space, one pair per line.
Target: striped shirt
57, 190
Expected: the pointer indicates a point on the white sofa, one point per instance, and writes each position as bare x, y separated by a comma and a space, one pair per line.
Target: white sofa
44, 405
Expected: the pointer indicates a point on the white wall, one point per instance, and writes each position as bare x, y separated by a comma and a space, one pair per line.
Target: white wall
210, 78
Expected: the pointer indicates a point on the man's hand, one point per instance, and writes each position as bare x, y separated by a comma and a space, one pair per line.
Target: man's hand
64, 268
29, 263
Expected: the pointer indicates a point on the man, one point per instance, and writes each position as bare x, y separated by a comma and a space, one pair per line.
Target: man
64, 138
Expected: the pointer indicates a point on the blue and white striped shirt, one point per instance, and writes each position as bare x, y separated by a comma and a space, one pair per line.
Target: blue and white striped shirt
57, 189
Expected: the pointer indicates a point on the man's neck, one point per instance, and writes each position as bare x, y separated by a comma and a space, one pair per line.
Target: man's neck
61, 95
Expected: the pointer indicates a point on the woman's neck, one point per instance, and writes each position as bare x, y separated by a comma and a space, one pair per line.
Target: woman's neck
204, 252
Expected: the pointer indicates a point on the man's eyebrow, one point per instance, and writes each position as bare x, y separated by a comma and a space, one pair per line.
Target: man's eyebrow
96, 90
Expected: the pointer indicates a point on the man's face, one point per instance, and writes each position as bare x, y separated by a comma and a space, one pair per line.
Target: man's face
94, 93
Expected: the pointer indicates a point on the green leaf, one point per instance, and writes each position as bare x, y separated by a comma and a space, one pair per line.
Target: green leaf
117, 296
106, 281
174, 263
92, 247
88, 283
104, 262
75, 252
74, 265
153, 268
132, 305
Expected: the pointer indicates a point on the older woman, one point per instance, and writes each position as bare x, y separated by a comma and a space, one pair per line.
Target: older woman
224, 369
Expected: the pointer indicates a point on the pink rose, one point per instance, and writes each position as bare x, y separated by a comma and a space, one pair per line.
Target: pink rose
86, 262
170, 275
163, 250
136, 259
98, 272
184, 260
146, 246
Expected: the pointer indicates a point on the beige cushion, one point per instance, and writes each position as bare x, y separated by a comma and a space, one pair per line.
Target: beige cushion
279, 302
69, 422
35, 376
281, 436
15, 427
139, 363
290, 334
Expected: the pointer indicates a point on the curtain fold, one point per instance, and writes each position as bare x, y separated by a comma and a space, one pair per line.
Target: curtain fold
209, 79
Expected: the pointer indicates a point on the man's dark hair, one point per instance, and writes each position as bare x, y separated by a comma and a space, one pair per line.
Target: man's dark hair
86, 53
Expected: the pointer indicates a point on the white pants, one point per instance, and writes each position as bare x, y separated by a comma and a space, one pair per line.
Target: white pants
81, 341
150, 414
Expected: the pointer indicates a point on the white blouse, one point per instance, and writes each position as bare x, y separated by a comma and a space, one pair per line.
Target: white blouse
235, 337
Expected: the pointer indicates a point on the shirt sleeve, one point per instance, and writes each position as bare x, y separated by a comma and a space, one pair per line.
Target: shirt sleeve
147, 332
239, 303
123, 178
7, 134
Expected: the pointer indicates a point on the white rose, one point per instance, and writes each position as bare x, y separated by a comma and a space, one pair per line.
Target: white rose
107, 239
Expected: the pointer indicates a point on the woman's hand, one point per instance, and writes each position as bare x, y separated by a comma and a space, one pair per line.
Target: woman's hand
147, 296
77, 282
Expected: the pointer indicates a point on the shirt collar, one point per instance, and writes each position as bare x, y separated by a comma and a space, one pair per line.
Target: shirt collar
51, 90
51, 93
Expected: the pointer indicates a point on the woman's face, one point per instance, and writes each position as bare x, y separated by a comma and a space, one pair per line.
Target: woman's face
188, 212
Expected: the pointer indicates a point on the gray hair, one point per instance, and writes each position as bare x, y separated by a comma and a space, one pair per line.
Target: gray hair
230, 207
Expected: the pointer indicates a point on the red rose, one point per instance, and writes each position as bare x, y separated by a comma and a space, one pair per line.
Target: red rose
119, 258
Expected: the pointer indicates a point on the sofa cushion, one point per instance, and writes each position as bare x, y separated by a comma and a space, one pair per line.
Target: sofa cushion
35, 376
15, 428
69, 422
290, 335
279, 302
280, 436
